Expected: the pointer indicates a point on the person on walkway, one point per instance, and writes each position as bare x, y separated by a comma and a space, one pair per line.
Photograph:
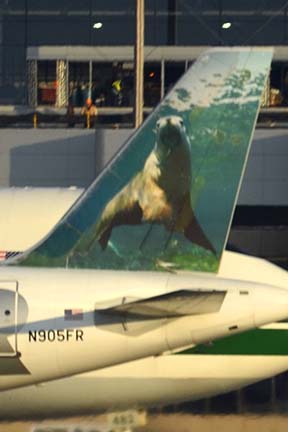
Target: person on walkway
90, 112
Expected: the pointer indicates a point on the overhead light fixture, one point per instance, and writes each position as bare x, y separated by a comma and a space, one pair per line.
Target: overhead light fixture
98, 25
226, 25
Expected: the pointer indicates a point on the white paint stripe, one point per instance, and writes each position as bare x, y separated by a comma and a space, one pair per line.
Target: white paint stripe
276, 326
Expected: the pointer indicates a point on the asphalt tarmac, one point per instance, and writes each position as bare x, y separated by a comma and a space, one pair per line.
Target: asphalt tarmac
161, 423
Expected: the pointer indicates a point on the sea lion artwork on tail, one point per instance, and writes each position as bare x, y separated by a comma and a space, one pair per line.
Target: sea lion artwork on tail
166, 199
159, 193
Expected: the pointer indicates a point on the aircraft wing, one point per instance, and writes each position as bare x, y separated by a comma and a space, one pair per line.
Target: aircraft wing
172, 305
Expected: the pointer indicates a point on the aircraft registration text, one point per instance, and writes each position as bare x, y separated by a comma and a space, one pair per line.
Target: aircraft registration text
65, 335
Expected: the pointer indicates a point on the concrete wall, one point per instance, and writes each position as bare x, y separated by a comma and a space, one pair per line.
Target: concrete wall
266, 177
65, 157
55, 157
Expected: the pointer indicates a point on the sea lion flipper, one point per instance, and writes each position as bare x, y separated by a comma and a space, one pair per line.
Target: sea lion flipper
195, 234
123, 209
129, 215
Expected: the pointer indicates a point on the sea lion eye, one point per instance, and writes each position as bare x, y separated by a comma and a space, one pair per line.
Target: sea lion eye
181, 122
157, 124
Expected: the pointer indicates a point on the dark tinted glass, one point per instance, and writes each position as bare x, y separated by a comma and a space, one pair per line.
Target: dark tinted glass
14, 28
13, 77
58, 30
116, 30
58, 6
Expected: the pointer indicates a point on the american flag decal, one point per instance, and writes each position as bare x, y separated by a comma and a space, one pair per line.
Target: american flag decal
73, 314
4, 255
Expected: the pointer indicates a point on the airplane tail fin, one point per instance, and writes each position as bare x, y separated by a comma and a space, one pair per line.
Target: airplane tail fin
166, 200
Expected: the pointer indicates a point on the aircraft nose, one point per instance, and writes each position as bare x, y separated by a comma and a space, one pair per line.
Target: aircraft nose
270, 304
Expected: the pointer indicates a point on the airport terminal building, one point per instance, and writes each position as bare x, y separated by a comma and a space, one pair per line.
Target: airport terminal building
53, 50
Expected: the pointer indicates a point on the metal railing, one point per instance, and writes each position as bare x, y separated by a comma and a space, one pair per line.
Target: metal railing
111, 118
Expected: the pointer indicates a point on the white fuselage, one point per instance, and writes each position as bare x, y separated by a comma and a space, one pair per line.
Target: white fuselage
154, 380
150, 381
30, 213
42, 340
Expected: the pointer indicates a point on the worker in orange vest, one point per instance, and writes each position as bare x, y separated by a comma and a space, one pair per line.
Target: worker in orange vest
90, 112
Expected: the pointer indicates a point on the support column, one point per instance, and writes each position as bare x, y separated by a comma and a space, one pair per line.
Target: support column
139, 63
32, 81
62, 83
265, 101
90, 80
162, 79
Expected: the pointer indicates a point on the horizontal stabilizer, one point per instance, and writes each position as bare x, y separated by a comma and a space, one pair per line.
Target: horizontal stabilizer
172, 305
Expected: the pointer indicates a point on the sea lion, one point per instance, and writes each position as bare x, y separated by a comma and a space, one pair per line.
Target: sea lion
160, 193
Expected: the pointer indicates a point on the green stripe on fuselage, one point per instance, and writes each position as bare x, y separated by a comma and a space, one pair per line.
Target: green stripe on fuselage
255, 342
